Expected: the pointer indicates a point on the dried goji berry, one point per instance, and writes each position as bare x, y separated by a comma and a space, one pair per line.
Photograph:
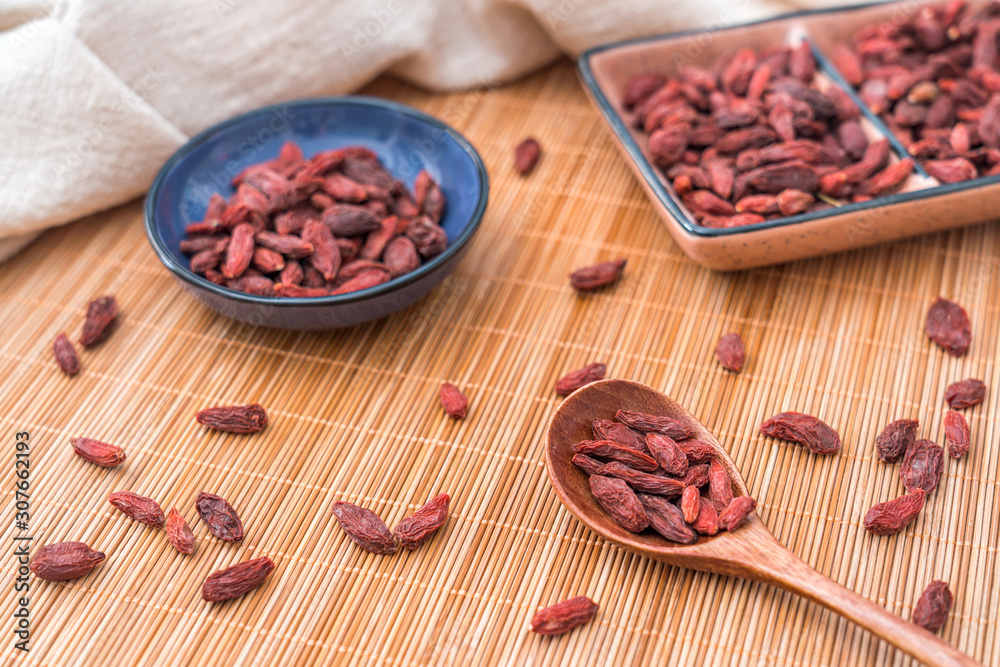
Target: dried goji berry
931, 610
620, 502
142, 509
63, 561
803, 429
455, 403
580, 377
892, 516
415, 529
563, 616
365, 528
237, 580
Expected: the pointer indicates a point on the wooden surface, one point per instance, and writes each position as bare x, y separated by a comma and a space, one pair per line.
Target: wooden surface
354, 415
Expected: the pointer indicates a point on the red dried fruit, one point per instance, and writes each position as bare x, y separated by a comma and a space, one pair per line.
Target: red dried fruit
325, 257
668, 454
803, 429
847, 63
344, 189
588, 464
428, 197
142, 509
609, 449
931, 610
288, 245
707, 522
951, 171
775, 178
417, 528
892, 516
298, 291
736, 512
646, 423
793, 202
63, 561
95, 451
697, 451
667, 144
690, 503
735, 141
220, 517
735, 76
237, 580
347, 220
802, 64
639, 88
591, 278
234, 418
563, 616
730, 352
66, 355
608, 430
376, 242
758, 83
249, 284
965, 393
401, 256
895, 439
666, 519
365, 528
295, 210
292, 274
703, 202
620, 502
720, 486
763, 204
956, 433
889, 178
721, 177
102, 313
526, 156
922, 466
697, 476
947, 324
580, 378
178, 532
206, 260
455, 403
239, 252
198, 244
642, 481
428, 237
364, 280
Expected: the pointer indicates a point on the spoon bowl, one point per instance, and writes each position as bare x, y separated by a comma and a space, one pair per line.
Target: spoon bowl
751, 551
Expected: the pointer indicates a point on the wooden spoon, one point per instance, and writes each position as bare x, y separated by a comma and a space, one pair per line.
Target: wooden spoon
751, 551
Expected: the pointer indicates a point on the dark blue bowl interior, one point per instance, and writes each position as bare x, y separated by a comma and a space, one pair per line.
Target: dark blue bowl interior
405, 140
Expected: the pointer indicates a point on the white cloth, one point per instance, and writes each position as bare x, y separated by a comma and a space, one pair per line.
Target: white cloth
96, 94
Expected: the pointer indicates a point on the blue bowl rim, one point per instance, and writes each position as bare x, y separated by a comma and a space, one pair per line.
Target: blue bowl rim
649, 173
185, 273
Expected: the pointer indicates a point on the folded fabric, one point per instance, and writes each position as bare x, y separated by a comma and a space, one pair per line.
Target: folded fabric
98, 93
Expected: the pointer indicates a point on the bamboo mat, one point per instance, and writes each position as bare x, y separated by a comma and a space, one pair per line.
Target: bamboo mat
355, 416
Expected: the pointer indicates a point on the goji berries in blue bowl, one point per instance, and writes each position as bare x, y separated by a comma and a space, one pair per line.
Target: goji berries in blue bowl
405, 142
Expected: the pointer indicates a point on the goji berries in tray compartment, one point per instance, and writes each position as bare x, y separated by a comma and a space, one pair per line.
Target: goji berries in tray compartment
755, 151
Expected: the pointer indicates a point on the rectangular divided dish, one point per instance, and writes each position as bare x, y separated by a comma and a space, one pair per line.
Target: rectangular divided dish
921, 204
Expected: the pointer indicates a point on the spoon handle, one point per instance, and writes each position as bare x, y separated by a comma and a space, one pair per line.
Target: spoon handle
781, 568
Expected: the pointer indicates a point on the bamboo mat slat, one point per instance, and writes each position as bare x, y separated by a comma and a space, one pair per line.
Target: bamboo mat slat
355, 416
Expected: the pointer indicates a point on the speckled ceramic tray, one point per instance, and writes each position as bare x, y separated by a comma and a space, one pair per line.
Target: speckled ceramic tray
922, 205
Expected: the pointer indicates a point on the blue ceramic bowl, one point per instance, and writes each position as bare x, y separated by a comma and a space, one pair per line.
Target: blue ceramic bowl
406, 141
